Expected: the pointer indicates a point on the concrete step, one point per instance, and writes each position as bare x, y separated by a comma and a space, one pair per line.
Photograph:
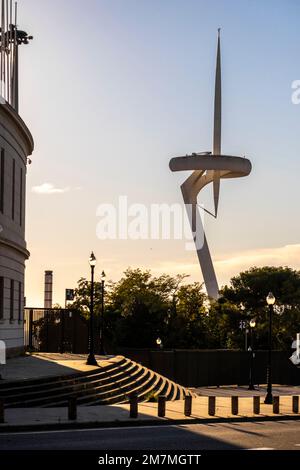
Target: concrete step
150, 388
70, 387
46, 383
99, 393
121, 394
60, 396
111, 384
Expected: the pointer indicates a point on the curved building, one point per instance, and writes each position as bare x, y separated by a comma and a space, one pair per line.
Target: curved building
16, 144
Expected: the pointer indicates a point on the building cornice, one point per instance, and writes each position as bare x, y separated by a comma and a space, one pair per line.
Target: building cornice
16, 118
15, 246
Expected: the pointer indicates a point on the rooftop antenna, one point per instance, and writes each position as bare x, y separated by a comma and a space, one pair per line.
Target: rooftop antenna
10, 58
10, 40
2, 45
7, 50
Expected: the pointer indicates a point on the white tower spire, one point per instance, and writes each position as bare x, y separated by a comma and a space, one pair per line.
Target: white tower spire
217, 124
208, 168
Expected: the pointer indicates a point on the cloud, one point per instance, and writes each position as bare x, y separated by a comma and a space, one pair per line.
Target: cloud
48, 188
231, 264
288, 255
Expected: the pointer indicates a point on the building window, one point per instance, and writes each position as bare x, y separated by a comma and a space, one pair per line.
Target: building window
2, 181
1, 298
20, 302
12, 298
13, 189
21, 196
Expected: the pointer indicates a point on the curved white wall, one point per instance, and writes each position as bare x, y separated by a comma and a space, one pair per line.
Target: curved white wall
16, 145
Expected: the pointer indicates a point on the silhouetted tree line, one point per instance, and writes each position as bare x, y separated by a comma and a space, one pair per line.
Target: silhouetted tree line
140, 307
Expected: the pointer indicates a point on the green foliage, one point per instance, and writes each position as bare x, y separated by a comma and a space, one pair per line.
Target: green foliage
251, 288
141, 304
139, 308
82, 296
151, 397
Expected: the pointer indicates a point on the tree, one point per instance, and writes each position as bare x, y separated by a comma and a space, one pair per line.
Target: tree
250, 289
186, 318
82, 298
140, 307
141, 304
223, 326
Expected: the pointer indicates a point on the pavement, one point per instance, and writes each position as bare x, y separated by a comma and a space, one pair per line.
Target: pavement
23, 419
37, 365
243, 391
42, 365
254, 436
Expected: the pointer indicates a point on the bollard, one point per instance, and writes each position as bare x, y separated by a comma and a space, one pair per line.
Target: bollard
161, 406
133, 400
276, 405
188, 405
72, 409
211, 406
235, 405
256, 405
1, 411
295, 404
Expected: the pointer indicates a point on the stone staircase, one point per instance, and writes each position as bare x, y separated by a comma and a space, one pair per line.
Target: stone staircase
111, 384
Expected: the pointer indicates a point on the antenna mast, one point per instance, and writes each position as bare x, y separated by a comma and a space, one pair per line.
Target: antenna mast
10, 40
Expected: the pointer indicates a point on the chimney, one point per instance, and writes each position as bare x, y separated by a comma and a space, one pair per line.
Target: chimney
48, 289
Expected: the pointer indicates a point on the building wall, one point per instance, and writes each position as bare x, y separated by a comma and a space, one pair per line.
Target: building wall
16, 145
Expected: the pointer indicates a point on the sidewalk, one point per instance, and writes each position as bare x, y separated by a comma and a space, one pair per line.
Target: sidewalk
38, 365
243, 391
45, 365
37, 419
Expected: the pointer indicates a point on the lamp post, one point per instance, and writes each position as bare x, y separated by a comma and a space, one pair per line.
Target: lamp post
243, 326
252, 325
103, 275
269, 397
159, 343
91, 360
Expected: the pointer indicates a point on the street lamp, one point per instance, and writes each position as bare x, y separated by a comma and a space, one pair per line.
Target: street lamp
269, 397
252, 325
243, 326
103, 275
91, 360
159, 343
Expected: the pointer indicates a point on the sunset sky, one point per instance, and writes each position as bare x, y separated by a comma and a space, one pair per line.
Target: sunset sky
112, 89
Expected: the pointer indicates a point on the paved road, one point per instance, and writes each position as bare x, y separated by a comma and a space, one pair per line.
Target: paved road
279, 435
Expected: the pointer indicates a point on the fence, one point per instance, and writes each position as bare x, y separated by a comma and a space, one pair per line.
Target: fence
196, 368
59, 330
56, 330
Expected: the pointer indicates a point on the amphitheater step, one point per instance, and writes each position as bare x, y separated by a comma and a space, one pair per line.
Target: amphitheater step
111, 384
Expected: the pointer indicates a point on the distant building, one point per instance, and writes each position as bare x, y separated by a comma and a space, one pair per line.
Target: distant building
48, 292
16, 144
